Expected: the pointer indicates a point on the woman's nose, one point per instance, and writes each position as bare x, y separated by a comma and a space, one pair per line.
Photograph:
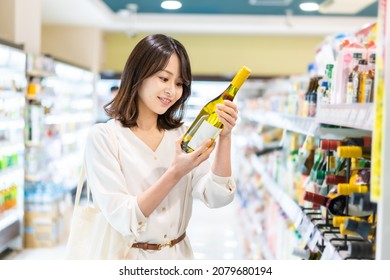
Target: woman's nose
170, 89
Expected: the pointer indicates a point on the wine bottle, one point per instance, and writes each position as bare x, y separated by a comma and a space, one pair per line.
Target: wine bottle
337, 206
348, 189
327, 144
362, 228
207, 125
361, 250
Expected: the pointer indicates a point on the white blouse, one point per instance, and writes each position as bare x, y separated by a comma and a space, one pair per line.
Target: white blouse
120, 166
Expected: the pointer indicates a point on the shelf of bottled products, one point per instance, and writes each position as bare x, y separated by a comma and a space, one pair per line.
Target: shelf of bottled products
310, 235
357, 117
12, 85
330, 121
59, 112
302, 222
46, 109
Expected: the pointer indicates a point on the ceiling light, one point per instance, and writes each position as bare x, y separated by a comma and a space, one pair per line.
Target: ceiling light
344, 7
309, 7
270, 2
171, 5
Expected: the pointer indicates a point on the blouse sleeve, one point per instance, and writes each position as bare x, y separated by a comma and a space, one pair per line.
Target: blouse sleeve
108, 184
215, 191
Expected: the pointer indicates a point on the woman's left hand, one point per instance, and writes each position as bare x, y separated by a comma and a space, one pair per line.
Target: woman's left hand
228, 114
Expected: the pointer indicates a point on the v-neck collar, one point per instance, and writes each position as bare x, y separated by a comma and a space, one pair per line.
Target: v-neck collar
146, 146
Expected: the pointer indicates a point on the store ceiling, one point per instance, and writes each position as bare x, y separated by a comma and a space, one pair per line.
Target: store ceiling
234, 7
208, 16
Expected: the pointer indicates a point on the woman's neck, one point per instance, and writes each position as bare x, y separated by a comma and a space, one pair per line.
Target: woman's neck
147, 123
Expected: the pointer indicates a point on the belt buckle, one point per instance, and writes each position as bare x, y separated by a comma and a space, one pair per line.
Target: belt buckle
160, 246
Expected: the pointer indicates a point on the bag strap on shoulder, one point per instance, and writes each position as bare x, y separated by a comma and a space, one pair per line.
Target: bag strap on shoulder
110, 125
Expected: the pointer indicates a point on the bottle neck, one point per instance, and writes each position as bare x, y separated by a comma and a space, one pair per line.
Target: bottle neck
316, 198
230, 93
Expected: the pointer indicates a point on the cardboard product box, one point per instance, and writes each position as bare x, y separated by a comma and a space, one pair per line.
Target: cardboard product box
40, 230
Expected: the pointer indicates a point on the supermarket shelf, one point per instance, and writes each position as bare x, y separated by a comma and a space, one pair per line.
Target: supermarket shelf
9, 217
10, 227
303, 125
12, 124
360, 116
69, 118
356, 119
12, 147
39, 73
11, 172
309, 232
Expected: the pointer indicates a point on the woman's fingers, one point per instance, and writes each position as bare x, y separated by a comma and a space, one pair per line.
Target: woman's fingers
203, 148
226, 118
228, 111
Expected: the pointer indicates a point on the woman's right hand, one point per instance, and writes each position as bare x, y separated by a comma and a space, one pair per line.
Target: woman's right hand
183, 162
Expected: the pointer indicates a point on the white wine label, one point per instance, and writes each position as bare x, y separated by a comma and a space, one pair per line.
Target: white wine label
204, 132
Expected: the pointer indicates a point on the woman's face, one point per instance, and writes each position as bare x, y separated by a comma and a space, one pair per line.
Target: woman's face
161, 90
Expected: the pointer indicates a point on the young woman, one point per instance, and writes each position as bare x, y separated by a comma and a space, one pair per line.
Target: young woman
144, 184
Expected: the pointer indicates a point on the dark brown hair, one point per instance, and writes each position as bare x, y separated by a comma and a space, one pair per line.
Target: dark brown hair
150, 56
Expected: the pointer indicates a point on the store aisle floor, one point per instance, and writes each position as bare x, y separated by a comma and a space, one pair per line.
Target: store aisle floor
214, 234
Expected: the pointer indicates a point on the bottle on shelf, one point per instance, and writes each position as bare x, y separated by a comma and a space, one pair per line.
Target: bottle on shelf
313, 98
313, 85
352, 92
330, 144
207, 125
348, 189
361, 250
309, 155
337, 205
370, 80
325, 86
354, 152
333, 179
362, 76
363, 201
362, 228
306, 254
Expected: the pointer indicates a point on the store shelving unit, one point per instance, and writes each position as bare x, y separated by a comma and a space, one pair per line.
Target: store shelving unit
332, 121
12, 85
59, 113
302, 221
381, 130
358, 116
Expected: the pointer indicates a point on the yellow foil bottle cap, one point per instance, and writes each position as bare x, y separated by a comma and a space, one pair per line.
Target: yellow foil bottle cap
338, 220
347, 189
344, 231
241, 76
349, 151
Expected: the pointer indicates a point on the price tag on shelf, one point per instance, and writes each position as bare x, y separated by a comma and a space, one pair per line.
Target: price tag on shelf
328, 253
315, 237
360, 119
370, 118
352, 117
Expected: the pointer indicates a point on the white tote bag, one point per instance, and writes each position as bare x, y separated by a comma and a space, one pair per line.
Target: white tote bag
91, 236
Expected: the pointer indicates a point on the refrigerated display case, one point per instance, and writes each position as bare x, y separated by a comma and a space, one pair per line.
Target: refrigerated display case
60, 110
12, 103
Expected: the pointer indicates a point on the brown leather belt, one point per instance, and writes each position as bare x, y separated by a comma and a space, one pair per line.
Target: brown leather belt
149, 246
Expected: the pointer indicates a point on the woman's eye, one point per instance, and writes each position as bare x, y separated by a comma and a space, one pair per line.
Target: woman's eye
163, 79
179, 84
